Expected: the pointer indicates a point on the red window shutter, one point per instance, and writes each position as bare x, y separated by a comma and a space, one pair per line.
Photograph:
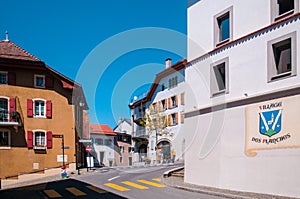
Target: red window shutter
12, 105
49, 140
49, 109
29, 108
49, 82
11, 78
30, 139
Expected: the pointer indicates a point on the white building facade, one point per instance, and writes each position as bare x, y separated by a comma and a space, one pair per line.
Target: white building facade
164, 104
242, 96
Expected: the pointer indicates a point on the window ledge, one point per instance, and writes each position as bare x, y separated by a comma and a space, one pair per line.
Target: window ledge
281, 76
284, 15
218, 93
39, 147
222, 42
5, 147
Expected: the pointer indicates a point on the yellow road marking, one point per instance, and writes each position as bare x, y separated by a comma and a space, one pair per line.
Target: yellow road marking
151, 183
97, 189
134, 185
75, 191
51, 193
117, 187
156, 179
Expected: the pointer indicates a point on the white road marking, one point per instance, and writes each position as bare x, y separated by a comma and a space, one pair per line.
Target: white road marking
110, 179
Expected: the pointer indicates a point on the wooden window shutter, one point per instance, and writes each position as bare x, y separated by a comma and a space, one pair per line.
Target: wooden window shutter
176, 100
182, 117
176, 117
169, 103
151, 108
12, 108
12, 104
49, 140
29, 108
29, 139
49, 82
159, 108
49, 109
169, 120
11, 78
182, 98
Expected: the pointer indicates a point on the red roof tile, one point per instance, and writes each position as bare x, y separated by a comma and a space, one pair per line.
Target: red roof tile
101, 129
10, 50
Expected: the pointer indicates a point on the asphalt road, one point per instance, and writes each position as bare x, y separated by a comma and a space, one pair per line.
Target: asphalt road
133, 183
136, 183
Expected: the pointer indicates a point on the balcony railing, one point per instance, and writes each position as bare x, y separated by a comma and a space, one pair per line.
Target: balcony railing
140, 133
9, 118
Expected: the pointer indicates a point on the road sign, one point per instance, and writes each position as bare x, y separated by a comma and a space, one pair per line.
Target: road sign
88, 149
85, 140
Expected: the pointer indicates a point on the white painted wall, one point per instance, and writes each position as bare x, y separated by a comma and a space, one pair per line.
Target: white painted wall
215, 142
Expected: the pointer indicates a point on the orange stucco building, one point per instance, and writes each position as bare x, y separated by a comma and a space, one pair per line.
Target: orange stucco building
37, 106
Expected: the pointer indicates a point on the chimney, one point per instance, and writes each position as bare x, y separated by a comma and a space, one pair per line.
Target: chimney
168, 63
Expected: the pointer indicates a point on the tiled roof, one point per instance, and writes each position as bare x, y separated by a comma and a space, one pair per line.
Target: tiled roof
102, 129
10, 50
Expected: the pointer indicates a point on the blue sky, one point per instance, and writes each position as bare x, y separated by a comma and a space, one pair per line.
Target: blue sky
107, 38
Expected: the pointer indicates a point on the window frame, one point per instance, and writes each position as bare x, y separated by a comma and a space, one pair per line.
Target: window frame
214, 87
35, 146
6, 75
35, 81
6, 118
275, 16
217, 31
272, 69
45, 108
8, 146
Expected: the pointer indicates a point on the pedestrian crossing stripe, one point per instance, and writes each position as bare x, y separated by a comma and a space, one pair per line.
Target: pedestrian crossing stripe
97, 189
135, 185
151, 183
75, 191
51, 193
156, 179
117, 187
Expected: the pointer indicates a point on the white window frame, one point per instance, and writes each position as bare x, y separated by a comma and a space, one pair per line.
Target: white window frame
271, 65
214, 87
9, 138
45, 109
35, 82
35, 146
217, 33
6, 74
275, 10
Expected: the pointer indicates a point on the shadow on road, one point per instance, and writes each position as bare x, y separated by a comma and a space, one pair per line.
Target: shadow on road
68, 188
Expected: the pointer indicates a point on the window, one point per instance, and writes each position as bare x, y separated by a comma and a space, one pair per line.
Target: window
173, 82
4, 138
281, 57
39, 81
173, 101
99, 141
223, 26
39, 108
162, 87
283, 8
219, 77
4, 110
3, 77
108, 142
173, 119
39, 140
154, 107
121, 159
163, 104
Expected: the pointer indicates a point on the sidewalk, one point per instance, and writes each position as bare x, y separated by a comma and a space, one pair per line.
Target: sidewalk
175, 178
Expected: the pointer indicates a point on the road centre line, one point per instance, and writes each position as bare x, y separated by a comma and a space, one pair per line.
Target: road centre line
110, 179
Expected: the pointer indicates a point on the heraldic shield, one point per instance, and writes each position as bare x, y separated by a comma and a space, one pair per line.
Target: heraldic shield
270, 122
